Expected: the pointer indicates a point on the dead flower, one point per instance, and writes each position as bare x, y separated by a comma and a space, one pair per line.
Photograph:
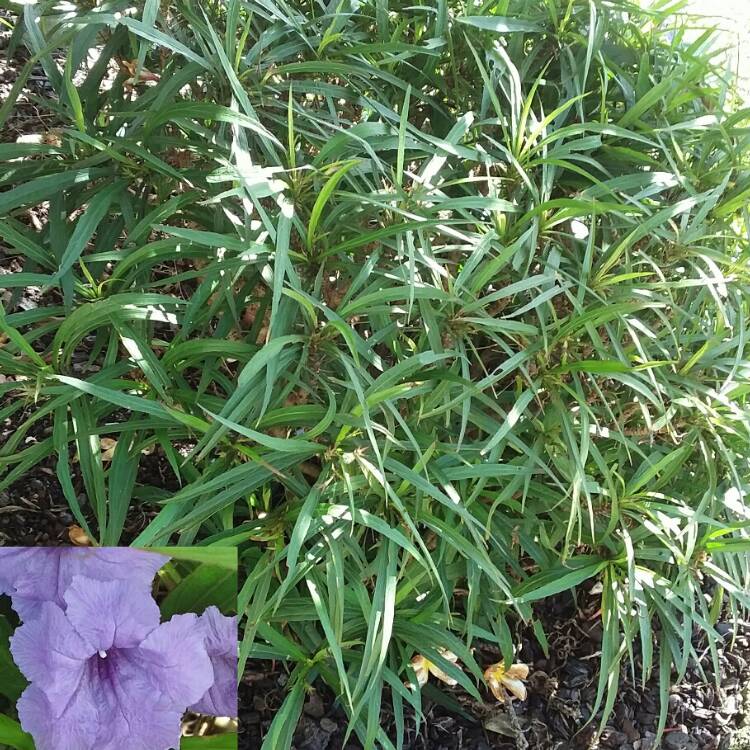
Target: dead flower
136, 76
423, 667
499, 679
107, 446
78, 536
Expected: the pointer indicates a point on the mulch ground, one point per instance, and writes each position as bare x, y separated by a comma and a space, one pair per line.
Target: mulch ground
29, 114
561, 694
33, 510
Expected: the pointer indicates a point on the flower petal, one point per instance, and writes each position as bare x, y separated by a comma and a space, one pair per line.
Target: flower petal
49, 651
518, 671
516, 687
449, 655
110, 613
39, 574
149, 728
12, 565
442, 675
221, 697
221, 644
175, 660
30, 576
220, 632
420, 665
111, 564
132, 714
495, 686
76, 729
107, 712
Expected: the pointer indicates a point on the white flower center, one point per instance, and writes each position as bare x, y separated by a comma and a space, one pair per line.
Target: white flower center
103, 654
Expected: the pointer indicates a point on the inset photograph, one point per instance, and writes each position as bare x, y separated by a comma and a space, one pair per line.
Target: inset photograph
437, 312
105, 648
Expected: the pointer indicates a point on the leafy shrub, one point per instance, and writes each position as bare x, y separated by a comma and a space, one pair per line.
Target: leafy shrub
436, 311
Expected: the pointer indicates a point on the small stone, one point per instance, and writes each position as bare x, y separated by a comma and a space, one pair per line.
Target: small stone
679, 741
737, 661
328, 726
314, 706
577, 673
612, 738
731, 705
630, 730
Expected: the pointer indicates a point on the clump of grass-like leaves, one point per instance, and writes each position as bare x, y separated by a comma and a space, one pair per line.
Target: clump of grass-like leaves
434, 310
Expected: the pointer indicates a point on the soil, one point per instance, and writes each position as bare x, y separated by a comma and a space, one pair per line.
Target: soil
561, 693
34, 512
29, 115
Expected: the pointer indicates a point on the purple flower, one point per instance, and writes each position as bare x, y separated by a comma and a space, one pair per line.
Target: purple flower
105, 675
32, 575
220, 633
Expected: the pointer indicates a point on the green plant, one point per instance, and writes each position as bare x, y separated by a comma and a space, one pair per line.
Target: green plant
434, 311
